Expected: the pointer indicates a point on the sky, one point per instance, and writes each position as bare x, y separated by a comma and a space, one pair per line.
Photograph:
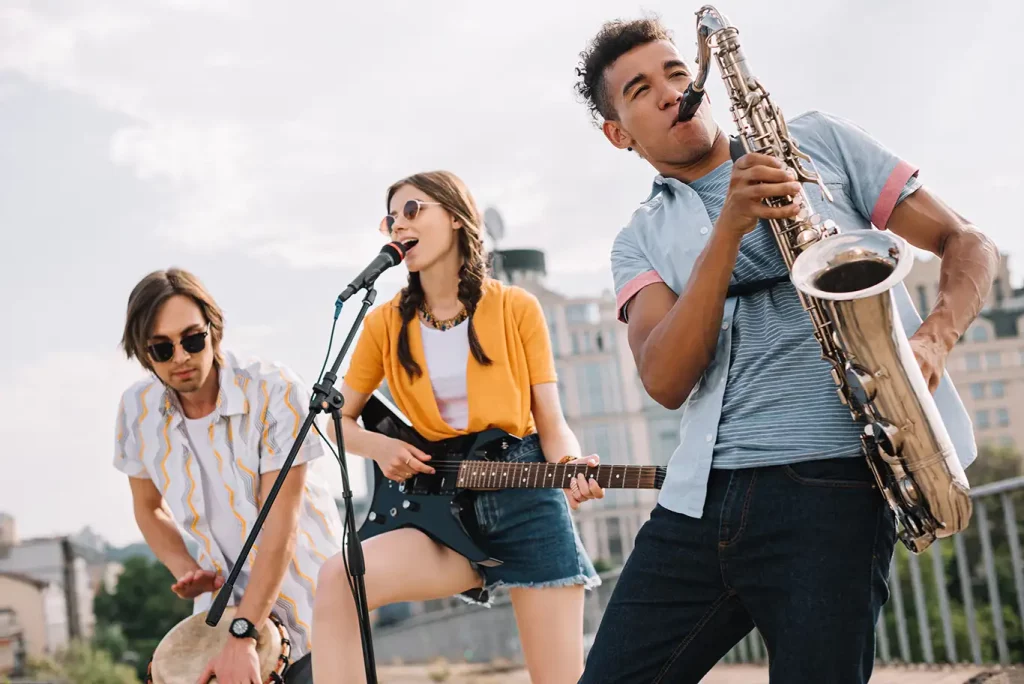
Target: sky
252, 143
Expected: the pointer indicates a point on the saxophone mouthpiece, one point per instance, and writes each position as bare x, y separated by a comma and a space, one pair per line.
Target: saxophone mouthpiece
690, 103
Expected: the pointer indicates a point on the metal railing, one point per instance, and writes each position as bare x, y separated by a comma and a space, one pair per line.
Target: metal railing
961, 601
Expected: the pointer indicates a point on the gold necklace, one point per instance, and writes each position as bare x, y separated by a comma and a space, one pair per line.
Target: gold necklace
445, 324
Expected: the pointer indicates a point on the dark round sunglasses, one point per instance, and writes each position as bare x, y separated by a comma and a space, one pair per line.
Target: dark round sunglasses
410, 210
193, 344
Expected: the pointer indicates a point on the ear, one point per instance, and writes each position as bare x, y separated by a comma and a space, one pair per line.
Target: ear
616, 134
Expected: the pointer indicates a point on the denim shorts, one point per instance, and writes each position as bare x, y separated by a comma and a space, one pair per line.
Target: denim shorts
532, 532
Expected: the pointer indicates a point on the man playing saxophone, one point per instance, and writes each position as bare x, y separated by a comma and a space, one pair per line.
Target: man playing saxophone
770, 515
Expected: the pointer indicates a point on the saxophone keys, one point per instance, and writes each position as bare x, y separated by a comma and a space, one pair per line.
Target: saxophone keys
806, 237
908, 490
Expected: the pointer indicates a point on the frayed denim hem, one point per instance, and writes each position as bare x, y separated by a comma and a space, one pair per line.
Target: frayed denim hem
587, 582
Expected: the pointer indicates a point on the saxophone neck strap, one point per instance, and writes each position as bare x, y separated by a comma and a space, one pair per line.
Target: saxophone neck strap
749, 288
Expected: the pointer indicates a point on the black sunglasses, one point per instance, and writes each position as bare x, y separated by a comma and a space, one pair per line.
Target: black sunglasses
410, 210
193, 344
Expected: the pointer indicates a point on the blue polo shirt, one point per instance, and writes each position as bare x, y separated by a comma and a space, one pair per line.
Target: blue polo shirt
768, 398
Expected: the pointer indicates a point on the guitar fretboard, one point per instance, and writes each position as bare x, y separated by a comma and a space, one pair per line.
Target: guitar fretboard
489, 475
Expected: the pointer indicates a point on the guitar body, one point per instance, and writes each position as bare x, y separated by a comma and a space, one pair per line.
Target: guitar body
431, 504
441, 504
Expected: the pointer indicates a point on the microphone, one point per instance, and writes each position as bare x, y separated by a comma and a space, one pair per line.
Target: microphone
690, 103
390, 255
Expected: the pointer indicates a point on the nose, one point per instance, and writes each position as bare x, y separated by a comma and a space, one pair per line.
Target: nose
399, 229
670, 96
180, 355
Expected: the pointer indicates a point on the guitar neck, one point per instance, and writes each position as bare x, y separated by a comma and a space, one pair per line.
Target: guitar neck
490, 475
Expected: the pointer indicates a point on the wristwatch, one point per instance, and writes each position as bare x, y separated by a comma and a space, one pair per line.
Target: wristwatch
243, 629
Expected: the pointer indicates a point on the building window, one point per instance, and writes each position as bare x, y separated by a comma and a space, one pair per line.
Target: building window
560, 372
979, 334
981, 417
614, 540
973, 361
977, 390
922, 300
998, 389
992, 359
590, 388
1002, 417
582, 313
597, 441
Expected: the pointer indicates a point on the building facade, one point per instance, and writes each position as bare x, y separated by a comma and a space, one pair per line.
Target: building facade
33, 619
60, 563
603, 400
987, 365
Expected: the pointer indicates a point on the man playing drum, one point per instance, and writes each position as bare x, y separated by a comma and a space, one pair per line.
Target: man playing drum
202, 443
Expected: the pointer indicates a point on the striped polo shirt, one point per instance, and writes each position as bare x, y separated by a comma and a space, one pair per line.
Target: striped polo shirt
775, 366
259, 410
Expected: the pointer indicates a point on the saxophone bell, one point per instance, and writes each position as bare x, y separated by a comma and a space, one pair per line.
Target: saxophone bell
854, 274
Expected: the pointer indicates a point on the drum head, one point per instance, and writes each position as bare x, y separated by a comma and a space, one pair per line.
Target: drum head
184, 652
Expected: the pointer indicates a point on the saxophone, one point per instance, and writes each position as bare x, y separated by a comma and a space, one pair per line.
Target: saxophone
845, 281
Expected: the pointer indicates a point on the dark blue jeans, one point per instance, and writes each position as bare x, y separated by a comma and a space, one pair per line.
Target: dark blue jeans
800, 551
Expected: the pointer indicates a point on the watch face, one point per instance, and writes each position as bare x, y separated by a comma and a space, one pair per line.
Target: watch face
239, 627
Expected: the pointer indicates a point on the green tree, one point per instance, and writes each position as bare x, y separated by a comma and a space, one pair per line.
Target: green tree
131, 621
992, 465
82, 663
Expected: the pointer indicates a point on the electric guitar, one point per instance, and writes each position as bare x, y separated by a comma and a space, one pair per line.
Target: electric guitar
441, 504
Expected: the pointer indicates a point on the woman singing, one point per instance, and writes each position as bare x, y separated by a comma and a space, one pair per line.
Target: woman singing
461, 353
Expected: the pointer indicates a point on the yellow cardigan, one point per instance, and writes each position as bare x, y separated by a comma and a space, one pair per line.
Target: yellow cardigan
510, 325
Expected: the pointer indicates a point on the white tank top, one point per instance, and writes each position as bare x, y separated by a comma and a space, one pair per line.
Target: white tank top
221, 518
447, 353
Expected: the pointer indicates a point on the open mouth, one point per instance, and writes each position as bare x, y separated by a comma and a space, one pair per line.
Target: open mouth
409, 244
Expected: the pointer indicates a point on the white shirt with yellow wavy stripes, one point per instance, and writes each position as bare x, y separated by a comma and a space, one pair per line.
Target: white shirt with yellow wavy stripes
259, 410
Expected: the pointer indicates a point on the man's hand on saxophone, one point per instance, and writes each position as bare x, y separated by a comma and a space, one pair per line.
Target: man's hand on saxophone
756, 177
931, 357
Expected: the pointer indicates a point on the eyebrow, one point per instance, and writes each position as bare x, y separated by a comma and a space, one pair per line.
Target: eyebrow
669, 64
195, 327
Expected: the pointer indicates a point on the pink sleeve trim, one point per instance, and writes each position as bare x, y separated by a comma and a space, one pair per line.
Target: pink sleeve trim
632, 287
890, 193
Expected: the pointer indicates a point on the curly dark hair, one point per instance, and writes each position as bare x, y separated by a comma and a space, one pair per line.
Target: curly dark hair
615, 39
451, 192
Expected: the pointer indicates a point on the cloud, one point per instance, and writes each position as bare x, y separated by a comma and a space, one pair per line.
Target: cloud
280, 141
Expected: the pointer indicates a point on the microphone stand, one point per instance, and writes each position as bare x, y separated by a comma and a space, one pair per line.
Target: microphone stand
325, 398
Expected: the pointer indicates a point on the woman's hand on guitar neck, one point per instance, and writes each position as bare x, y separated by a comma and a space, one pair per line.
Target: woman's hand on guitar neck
580, 488
399, 461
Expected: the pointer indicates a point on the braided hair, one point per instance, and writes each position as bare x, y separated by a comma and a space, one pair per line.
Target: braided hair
447, 189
